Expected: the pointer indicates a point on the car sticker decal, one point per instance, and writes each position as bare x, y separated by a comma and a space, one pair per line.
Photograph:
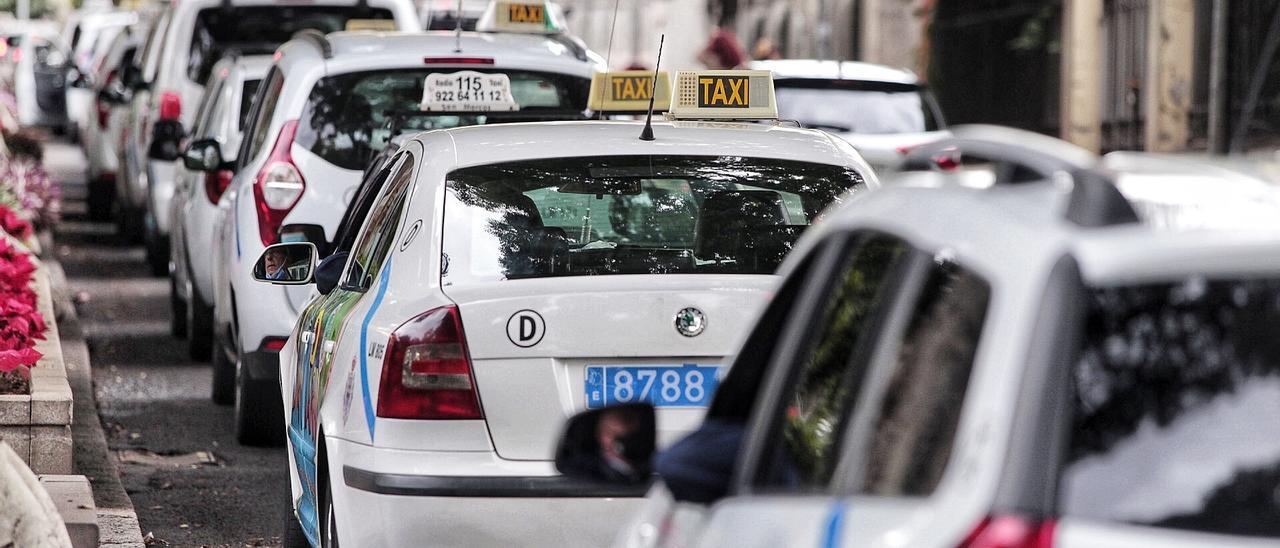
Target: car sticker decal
412, 233
835, 522
346, 394
364, 343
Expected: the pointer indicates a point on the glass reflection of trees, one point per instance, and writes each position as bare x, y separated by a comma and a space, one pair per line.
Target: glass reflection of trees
636, 214
822, 395
1163, 355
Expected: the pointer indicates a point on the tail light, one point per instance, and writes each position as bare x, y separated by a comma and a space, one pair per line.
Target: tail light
427, 372
278, 186
272, 344
170, 106
1008, 531
215, 183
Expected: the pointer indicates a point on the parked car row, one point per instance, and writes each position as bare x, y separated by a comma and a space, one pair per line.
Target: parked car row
476, 316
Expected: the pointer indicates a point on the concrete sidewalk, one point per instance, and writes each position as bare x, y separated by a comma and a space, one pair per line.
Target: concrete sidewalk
117, 521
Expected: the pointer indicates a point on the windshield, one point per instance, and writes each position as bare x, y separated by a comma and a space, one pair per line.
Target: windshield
253, 30
1177, 393
847, 106
631, 215
349, 117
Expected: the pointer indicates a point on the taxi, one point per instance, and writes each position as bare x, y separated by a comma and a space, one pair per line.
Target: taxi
508, 275
328, 104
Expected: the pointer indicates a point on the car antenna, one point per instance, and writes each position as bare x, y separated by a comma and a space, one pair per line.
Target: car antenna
457, 29
608, 59
647, 133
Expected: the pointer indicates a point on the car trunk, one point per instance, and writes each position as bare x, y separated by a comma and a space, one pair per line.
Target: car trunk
532, 341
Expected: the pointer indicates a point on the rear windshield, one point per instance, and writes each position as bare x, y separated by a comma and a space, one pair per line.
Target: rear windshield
1176, 420
261, 29
349, 117
631, 215
846, 106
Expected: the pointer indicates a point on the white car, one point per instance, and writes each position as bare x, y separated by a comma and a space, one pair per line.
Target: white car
220, 119
89, 42
102, 139
38, 63
193, 35
493, 289
326, 107
1030, 364
882, 111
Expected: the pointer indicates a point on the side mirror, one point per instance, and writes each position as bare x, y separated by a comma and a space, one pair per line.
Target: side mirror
286, 264
612, 444
203, 155
166, 137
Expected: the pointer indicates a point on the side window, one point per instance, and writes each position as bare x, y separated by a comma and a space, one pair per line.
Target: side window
206, 122
155, 40
811, 418
260, 120
375, 240
358, 209
914, 426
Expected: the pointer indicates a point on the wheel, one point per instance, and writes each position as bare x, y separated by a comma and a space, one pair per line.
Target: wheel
328, 521
293, 535
259, 413
224, 375
157, 252
177, 311
98, 202
199, 327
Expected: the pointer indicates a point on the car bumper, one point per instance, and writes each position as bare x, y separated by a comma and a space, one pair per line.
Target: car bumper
387, 500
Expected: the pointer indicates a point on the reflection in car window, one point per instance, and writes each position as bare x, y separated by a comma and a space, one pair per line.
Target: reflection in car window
246, 100
915, 427
816, 408
348, 117
380, 229
1176, 419
632, 215
859, 107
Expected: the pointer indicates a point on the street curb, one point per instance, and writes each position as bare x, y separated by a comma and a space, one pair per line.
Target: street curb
117, 521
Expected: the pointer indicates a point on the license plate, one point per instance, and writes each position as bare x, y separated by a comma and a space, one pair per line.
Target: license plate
687, 385
467, 91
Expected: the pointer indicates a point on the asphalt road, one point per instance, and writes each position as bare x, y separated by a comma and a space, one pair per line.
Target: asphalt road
189, 481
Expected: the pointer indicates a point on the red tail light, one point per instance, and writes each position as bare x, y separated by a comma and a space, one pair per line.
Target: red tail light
272, 344
278, 186
170, 106
104, 110
427, 371
1007, 531
215, 183
457, 60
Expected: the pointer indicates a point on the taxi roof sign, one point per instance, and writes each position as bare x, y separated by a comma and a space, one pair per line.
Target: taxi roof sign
629, 91
724, 95
521, 16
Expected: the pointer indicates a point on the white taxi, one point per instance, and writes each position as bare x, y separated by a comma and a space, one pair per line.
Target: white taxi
509, 275
326, 106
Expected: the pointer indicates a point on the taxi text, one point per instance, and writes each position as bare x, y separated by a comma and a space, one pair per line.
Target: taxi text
724, 91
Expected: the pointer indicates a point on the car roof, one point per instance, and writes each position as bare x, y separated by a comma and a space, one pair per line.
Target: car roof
990, 229
351, 50
488, 144
836, 70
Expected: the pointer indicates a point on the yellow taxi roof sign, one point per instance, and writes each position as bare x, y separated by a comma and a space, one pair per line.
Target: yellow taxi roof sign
522, 16
380, 25
724, 95
629, 91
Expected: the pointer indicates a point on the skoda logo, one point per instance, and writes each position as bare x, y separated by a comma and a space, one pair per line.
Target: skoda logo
690, 322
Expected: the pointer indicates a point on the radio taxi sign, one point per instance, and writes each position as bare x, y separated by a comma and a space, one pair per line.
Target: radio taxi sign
467, 91
724, 95
629, 91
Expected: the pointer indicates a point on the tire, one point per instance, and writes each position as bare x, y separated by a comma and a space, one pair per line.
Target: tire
157, 256
129, 225
177, 311
199, 328
99, 200
259, 413
328, 521
293, 535
224, 375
